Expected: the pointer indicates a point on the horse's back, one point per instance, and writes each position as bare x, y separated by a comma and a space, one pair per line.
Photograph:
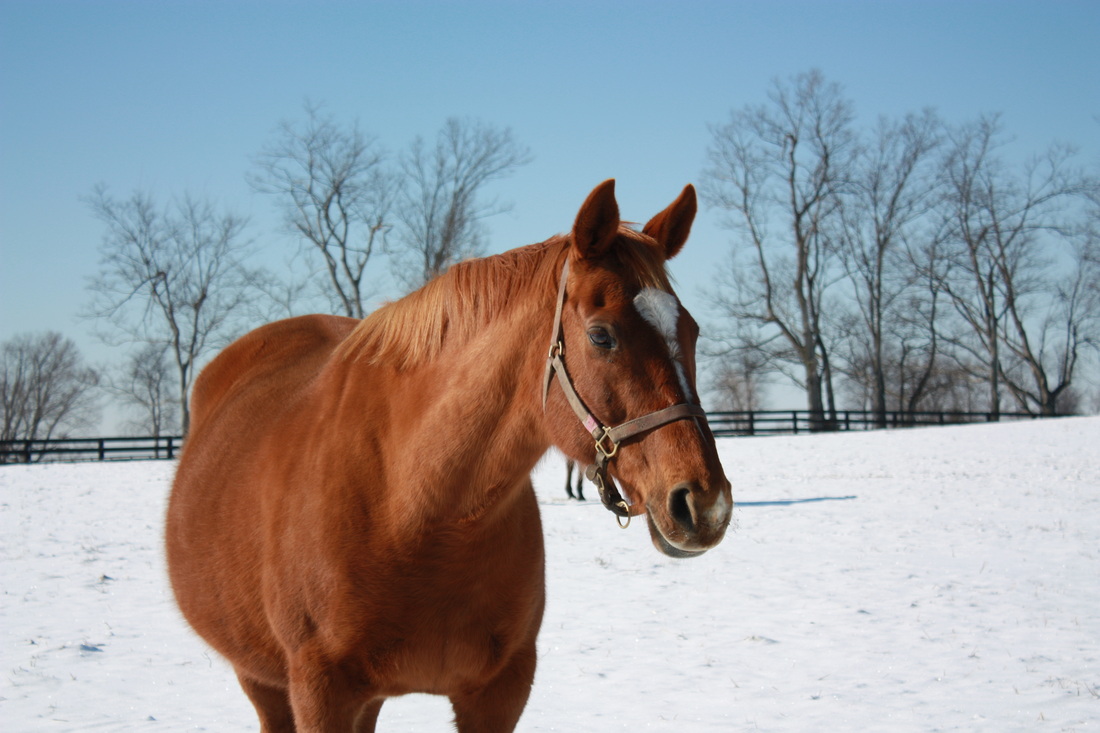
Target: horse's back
280, 355
246, 395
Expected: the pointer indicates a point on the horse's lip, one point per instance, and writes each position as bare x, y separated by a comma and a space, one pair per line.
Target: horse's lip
664, 545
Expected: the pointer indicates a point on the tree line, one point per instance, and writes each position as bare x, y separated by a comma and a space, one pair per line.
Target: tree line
909, 266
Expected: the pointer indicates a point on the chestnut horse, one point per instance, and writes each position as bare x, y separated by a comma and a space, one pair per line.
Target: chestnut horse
353, 518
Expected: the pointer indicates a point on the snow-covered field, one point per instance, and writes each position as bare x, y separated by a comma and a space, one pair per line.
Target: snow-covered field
925, 580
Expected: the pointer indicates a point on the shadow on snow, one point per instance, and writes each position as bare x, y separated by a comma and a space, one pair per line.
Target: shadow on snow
788, 502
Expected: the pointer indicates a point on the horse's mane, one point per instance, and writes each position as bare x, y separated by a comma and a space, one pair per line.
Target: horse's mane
457, 304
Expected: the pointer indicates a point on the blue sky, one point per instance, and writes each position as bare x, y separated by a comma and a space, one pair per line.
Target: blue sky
174, 96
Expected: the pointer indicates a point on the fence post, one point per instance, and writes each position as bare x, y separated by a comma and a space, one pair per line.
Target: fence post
102, 452
794, 421
752, 430
170, 452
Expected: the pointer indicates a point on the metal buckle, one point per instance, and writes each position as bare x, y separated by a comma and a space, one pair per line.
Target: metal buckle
607, 454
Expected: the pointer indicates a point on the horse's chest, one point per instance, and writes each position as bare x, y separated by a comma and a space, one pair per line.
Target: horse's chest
450, 617
452, 649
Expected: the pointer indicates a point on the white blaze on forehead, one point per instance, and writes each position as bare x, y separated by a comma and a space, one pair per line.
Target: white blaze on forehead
661, 310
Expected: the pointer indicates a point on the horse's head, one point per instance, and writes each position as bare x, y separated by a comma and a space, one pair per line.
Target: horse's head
624, 355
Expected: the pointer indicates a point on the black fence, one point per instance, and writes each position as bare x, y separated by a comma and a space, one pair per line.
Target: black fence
724, 424
788, 422
89, 449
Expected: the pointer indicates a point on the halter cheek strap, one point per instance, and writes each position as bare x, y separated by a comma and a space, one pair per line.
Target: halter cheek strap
607, 439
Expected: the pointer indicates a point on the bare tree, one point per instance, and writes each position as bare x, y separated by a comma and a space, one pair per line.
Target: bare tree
915, 331
45, 388
1009, 232
1046, 338
335, 192
738, 381
174, 277
891, 191
144, 384
441, 209
974, 296
779, 170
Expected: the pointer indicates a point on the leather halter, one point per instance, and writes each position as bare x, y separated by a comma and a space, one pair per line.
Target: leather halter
607, 439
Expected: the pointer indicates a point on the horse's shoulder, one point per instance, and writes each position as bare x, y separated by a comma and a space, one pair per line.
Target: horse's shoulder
277, 350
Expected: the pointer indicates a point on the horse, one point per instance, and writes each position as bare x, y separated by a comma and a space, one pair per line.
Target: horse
352, 517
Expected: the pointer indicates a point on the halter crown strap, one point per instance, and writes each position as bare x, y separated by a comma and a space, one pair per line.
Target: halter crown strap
557, 345
607, 439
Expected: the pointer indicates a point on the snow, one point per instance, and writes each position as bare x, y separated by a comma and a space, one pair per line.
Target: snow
923, 580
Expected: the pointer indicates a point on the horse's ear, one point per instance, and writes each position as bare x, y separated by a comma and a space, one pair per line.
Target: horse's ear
671, 227
597, 222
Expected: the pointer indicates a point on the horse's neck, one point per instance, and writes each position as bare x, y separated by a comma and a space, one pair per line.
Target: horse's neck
493, 384
468, 427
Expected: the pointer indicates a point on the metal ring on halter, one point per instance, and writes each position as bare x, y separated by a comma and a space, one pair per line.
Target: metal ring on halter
619, 519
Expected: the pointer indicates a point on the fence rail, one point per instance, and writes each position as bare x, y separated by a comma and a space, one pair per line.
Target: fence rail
775, 422
723, 424
89, 449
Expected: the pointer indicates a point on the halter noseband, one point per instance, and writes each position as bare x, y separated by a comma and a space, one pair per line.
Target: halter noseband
607, 439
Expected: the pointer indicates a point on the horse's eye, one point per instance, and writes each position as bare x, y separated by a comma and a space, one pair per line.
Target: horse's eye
601, 338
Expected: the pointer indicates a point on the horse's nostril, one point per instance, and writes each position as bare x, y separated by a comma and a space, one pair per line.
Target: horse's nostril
679, 506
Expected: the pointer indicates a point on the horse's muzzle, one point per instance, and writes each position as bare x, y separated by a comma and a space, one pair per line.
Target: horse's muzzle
693, 520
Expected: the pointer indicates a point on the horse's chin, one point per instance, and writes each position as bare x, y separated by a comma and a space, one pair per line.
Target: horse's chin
666, 547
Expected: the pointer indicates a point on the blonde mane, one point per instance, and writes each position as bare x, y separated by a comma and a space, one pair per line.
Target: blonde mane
413, 330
